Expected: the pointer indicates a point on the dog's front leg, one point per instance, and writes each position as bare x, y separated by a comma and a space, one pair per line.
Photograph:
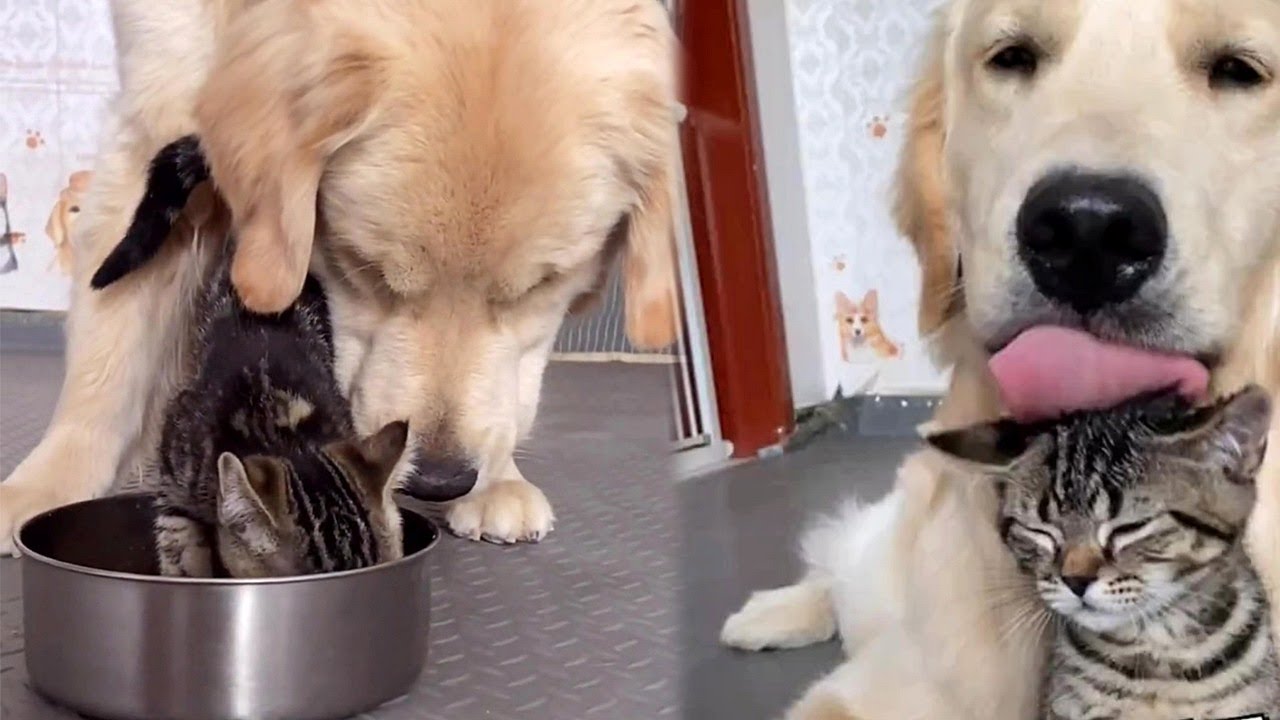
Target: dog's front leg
503, 506
118, 341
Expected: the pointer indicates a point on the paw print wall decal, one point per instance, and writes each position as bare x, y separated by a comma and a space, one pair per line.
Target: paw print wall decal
878, 127
34, 139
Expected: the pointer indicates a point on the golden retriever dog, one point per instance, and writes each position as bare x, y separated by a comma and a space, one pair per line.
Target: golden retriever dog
63, 218
467, 169
1100, 174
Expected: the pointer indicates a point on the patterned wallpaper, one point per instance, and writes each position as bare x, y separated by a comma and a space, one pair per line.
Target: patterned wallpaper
853, 62
56, 74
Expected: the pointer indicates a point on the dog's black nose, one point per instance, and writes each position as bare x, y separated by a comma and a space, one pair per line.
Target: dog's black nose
439, 478
1091, 240
1079, 584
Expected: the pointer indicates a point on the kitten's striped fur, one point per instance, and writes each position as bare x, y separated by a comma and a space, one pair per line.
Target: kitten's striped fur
1129, 522
259, 471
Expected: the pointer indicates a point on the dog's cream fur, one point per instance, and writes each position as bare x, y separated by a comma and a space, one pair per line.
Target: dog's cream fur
468, 170
929, 607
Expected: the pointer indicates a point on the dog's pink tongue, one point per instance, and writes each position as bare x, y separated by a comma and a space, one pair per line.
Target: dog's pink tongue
1048, 371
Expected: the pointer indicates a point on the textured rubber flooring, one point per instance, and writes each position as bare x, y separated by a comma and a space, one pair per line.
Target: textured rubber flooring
740, 531
583, 625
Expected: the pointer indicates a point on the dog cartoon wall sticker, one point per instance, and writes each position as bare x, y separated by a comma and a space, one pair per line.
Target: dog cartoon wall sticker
62, 219
9, 238
860, 331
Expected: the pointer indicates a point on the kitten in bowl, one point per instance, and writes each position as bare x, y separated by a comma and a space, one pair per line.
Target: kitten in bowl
260, 472
1129, 523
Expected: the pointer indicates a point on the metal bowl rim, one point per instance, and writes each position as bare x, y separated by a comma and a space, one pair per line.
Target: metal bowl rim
213, 582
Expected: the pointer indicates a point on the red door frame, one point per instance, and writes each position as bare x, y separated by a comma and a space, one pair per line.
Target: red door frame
729, 211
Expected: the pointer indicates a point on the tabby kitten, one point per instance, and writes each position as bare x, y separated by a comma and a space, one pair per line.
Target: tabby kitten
1129, 522
259, 471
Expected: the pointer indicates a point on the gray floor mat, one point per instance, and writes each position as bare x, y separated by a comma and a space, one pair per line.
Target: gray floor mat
741, 529
582, 625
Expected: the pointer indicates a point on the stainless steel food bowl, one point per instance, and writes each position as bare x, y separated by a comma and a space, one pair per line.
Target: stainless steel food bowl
108, 637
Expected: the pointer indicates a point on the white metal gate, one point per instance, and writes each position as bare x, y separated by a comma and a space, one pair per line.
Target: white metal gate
697, 425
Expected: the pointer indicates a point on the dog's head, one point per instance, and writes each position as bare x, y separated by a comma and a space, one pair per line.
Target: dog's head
495, 140
857, 318
1109, 167
470, 168
66, 210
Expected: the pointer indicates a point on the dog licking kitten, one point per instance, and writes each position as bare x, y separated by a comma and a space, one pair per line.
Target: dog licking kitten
1129, 523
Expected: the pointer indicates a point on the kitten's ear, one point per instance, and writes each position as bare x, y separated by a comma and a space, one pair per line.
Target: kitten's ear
258, 486
372, 459
988, 447
1231, 434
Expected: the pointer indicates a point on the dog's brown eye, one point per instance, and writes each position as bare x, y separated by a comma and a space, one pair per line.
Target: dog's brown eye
1232, 72
75, 208
1021, 59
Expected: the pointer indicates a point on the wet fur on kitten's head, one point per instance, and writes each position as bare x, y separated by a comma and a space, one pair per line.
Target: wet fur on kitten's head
271, 509
1115, 513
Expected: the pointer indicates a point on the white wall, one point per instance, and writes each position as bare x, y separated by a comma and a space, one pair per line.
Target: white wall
57, 70
851, 63
771, 51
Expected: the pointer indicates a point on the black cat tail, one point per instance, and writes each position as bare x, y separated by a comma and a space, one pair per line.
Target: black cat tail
175, 171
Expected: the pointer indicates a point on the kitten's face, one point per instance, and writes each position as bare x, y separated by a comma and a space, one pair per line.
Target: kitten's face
1144, 531
1116, 515
327, 510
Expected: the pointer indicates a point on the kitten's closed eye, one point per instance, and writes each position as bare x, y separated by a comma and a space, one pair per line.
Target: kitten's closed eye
1115, 538
1044, 539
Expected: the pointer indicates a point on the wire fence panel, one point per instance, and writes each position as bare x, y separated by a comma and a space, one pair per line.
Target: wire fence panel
599, 334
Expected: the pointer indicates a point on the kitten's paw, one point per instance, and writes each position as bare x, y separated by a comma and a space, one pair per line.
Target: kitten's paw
789, 617
505, 512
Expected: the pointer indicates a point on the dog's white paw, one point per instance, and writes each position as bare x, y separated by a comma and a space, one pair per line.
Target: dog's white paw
508, 511
19, 502
56, 473
789, 617
8, 520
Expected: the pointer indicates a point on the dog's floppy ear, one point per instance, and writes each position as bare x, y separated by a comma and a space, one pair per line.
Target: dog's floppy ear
649, 269
920, 206
287, 89
653, 121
